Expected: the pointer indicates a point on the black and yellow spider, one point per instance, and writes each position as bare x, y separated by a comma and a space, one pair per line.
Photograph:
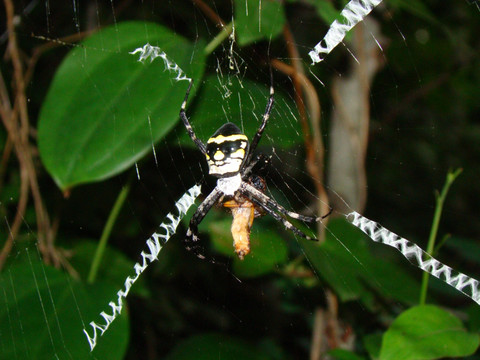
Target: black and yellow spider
230, 159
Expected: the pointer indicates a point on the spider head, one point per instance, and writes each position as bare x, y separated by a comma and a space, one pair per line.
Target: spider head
226, 151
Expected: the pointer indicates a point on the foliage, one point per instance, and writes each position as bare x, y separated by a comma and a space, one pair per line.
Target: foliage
103, 114
427, 332
106, 131
53, 328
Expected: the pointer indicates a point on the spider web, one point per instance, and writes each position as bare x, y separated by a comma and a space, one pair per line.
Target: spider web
376, 126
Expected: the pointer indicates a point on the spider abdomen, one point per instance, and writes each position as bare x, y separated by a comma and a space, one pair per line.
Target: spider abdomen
242, 223
226, 151
244, 212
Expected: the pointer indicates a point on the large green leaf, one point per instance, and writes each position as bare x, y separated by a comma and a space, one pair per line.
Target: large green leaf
44, 312
346, 263
427, 332
468, 249
105, 109
242, 102
258, 19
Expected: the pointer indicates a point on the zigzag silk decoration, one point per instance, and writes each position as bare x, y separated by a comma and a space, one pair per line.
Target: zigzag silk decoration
354, 12
418, 257
154, 243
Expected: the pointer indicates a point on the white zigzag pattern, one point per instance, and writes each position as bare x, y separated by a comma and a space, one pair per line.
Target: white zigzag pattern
153, 52
461, 282
354, 12
155, 243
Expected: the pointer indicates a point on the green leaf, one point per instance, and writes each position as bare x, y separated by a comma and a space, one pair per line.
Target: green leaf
427, 332
105, 109
473, 312
214, 347
341, 354
267, 248
242, 102
373, 343
468, 249
416, 8
44, 312
258, 19
344, 260
325, 10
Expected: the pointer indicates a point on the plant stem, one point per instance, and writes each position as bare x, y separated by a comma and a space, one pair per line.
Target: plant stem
440, 199
107, 230
217, 40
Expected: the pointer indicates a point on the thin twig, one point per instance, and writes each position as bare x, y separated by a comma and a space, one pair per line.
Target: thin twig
17, 222
7, 151
9, 118
212, 15
314, 148
5, 113
19, 134
439, 201
313, 140
317, 334
295, 75
38, 51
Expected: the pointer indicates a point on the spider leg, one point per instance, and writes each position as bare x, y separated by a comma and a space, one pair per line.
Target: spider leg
288, 225
250, 191
183, 116
191, 238
248, 169
266, 116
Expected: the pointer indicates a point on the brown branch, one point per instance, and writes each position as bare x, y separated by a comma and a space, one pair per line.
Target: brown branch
332, 325
17, 222
313, 147
5, 113
317, 334
314, 150
296, 74
9, 119
7, 151
328, 333
312, 139
212, 15
16, 122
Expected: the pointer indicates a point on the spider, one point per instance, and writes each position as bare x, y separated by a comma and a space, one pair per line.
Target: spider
230, 158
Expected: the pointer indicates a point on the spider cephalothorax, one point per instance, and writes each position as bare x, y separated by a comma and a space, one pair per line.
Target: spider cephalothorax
226, 151
230, 158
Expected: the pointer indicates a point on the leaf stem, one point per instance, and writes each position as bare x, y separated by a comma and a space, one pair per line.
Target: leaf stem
440, 199
107, 230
